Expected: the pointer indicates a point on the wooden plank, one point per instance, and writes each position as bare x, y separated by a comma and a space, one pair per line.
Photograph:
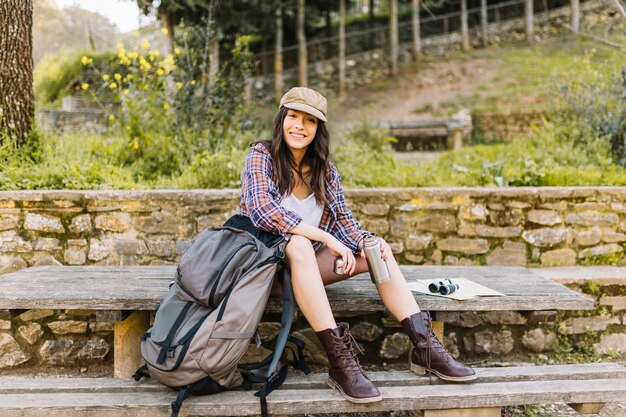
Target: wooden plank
281, 401
127, 337
296, 380
465, 412
587, 408
142, 287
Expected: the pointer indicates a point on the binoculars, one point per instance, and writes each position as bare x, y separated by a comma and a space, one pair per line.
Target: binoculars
443, 287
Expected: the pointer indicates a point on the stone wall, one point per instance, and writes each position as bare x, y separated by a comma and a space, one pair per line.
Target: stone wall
457, 226
526, 226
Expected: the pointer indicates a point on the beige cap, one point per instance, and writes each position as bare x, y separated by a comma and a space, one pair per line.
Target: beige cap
306, 100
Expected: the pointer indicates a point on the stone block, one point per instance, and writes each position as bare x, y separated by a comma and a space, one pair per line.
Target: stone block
46, 244
467, 246
375, 209
43, 223
99, 250
405, 224
588, 237
395, 346
77, 243
15, 244
10, 264
5, 324
68, 327
31, 332
161, 247
578, 325
418, 242
467, 319
11, 354
497, 343
615, 342
592, 218
36, 314
94, 349
559, 257
268, 330
81, 224
57, 352
545, 237
455, 261
512, 217
505, 317
413, 258
538, 340
47, 260
489, 231
313, 351
378, 226
113, 222
600, 250
619, 207
396, 247
8, 222
103, 326
181, 245
610, 236
254, 354
131, 247
75, 256
510, 254
366, 332
617, 303
158, 222
473, 212
544, 217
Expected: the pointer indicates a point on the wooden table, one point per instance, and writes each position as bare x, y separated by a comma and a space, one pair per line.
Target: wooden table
126, 295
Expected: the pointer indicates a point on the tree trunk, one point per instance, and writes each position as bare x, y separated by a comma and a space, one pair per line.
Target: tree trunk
465, 43
16, 69
342, 49
575, 15
214, 57
417, 40
302, 52
393, 35
484, 23
169, 36
278, 54
528, 8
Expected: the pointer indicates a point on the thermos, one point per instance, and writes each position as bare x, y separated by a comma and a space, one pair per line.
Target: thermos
377, 266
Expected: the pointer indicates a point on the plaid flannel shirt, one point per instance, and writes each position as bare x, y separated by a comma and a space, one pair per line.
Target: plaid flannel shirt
260, 200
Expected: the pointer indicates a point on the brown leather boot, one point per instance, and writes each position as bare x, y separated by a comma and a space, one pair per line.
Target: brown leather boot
429, 354
345, 372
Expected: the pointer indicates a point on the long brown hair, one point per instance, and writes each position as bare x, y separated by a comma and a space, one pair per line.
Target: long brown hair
316, 157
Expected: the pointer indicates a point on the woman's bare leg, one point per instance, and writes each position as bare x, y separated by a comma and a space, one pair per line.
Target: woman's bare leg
308, 287
395, 293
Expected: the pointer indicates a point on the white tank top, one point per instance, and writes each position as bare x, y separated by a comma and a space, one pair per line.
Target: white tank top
308, 209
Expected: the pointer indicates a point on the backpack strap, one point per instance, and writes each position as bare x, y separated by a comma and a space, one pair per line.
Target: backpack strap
178, 402
142, 372
286, 319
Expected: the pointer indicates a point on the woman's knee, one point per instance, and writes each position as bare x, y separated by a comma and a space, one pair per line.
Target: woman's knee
299, 249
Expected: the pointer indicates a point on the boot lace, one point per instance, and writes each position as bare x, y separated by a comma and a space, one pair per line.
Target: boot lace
348, 358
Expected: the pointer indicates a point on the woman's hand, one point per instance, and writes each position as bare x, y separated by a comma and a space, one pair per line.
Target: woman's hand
383, 249
340, 250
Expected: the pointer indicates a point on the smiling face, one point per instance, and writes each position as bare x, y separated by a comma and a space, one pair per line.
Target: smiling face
299, 130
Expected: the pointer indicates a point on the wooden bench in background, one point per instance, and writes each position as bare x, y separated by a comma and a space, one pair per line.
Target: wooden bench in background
128, 295
415, 135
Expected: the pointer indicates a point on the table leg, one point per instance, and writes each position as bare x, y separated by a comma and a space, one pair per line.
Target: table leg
127, 335
438, 329
464, 412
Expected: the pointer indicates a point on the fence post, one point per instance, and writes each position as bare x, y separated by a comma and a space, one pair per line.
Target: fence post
465, 43
342, 49
417, 41
302, 52
278, 53
528, 8
393, 35
483, 22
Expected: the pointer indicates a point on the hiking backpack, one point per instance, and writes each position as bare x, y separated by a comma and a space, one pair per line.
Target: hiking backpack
210, 315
